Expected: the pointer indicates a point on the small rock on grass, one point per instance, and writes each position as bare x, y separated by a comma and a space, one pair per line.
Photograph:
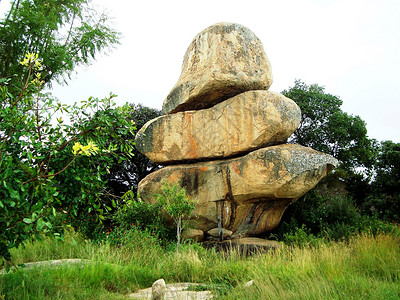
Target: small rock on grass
158, 290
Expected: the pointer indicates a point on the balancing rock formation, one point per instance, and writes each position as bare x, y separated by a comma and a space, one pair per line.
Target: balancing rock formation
223, 138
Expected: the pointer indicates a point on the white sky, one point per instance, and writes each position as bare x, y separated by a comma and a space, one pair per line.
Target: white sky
352, 47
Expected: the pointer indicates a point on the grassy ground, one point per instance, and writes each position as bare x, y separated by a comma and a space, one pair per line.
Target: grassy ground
365, 267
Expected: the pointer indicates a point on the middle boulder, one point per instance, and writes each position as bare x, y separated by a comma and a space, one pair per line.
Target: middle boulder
248, 121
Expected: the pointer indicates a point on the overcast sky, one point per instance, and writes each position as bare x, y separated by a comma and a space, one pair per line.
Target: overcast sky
351, 47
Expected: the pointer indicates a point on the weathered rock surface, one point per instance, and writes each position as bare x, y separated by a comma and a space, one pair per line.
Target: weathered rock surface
222, 61
158, 290
250, 193
49, 263
226, 233
174, 291
193, 234
248, 121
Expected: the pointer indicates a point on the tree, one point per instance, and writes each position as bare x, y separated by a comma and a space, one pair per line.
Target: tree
127, 174
388, 168
325, 127
177, 204
384, 199
50, 168
64, 34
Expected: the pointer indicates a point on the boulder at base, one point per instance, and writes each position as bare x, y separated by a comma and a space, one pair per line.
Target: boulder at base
249, 193
248, 121
247, 245
193, 234
222, 61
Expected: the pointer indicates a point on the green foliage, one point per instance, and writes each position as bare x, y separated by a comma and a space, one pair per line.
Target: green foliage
64, 34
301, 237
126, 175
385, 199
174, 200
147, 217
388, 168
315, 217
318, 212
40, 172
326, 128
380, 197
177, 204
384, 206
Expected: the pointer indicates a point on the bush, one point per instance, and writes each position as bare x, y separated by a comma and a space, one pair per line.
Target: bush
386, 207
316, 218
145, 217
319, 212
301, 236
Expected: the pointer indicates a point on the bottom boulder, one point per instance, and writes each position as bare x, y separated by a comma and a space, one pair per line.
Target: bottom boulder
247, 194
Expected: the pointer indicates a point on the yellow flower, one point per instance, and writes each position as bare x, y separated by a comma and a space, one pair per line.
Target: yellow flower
93, 147
87, 150
32, 58
37, 80
76, 148
38, 64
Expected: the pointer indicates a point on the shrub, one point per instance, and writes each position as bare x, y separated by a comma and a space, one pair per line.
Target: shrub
301, 236
177, 204
145, 217
317, 212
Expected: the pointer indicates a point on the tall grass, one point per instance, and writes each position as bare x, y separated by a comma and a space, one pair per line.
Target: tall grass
365, 267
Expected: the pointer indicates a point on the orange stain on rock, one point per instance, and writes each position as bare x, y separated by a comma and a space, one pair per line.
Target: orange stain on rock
191, 146
236, 167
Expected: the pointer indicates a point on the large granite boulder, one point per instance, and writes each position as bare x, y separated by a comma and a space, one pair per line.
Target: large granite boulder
222, 61
248, 193
248, 121
224, 136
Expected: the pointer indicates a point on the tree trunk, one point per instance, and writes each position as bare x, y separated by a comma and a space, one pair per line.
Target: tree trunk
178, 233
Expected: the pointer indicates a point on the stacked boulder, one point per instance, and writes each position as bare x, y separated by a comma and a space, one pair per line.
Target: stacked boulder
223, 138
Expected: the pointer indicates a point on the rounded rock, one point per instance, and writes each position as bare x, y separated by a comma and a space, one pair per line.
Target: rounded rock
222, 61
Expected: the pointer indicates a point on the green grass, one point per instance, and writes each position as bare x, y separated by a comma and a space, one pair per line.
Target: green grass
365, 267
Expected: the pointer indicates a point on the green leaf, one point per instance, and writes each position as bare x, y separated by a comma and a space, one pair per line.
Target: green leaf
27, 220
40, 224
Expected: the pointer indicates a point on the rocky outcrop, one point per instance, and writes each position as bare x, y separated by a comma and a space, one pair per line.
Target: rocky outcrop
249, 193
222, 61
248, 121
224, 139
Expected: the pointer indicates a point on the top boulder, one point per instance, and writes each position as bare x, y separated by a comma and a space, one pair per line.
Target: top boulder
222, 61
